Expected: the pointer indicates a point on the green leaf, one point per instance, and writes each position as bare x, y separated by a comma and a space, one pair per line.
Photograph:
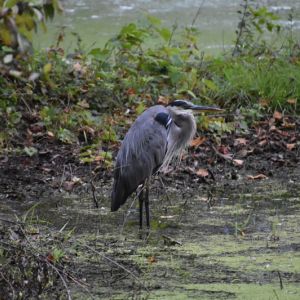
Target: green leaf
165, 33
100, 54
210, 84
140, 108
49, 10
109, 135
30, 151
10, 3
14, 117
66, 135
189, 92
154, 20
47, 68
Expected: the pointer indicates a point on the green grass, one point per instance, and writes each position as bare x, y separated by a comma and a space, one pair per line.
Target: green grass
245, 81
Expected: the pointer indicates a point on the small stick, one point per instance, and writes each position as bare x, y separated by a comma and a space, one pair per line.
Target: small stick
94, 195
117, 264
61, 278
230, 159
10, 285
280, 280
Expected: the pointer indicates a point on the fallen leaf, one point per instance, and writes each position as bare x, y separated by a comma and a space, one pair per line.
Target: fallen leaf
37, 127
277, 115
76, 179
202, 173
77, 67
50, 257
88, 129
33, 76
7, 59
238, 162
240, 141
288, 125
99, 158
290, 146
198, 141
131, 91
223, 149
167, 217
262, 143
257, 177
15, 73
163, 100
264, 102
292, 101
50, 134
152, 259
68, 185
83, 104
243, 153
30, 151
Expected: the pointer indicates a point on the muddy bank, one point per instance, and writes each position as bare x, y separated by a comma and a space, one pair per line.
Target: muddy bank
225, 235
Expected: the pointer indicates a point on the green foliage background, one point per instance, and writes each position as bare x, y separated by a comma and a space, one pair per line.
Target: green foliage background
74, 95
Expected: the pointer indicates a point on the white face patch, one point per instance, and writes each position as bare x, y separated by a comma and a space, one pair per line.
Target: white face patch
169, 122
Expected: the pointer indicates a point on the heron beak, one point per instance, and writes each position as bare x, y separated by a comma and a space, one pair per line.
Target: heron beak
200, 108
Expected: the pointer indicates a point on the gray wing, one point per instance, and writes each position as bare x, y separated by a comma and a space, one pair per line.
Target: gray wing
141, 153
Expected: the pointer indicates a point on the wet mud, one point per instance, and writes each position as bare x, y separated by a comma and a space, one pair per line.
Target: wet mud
223, 236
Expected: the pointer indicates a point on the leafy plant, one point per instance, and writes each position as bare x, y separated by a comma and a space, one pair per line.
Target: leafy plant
253, 23
18, 19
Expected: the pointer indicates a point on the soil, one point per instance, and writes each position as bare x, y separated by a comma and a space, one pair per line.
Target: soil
225, 223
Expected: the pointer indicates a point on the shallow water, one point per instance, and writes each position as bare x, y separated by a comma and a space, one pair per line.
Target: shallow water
97, 21
247, 244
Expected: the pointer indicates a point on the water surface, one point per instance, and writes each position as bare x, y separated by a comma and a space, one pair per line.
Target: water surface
97, 21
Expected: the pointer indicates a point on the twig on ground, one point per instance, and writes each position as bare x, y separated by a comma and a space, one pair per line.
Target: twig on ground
225, 157
117, 264
94, 194
10, 285
280, 280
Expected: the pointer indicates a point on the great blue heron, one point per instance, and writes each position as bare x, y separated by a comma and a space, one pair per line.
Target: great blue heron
157, 135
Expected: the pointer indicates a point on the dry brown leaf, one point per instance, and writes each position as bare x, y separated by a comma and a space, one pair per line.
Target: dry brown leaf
88, 129
83, 104
288, 125
78, 68
37, 127
198, 141
240, 141
290, 146
202, 173
292, 101
162, 100
68, 185
264, 102
277, 115
238, 162
131, 91
257, 177
243, 153
50, 134
152, 259
223, 149
262, 143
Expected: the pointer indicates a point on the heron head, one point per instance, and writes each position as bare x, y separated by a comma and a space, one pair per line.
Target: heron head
184, 105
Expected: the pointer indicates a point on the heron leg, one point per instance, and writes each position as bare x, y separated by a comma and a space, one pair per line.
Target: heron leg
141, 200
147, 183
